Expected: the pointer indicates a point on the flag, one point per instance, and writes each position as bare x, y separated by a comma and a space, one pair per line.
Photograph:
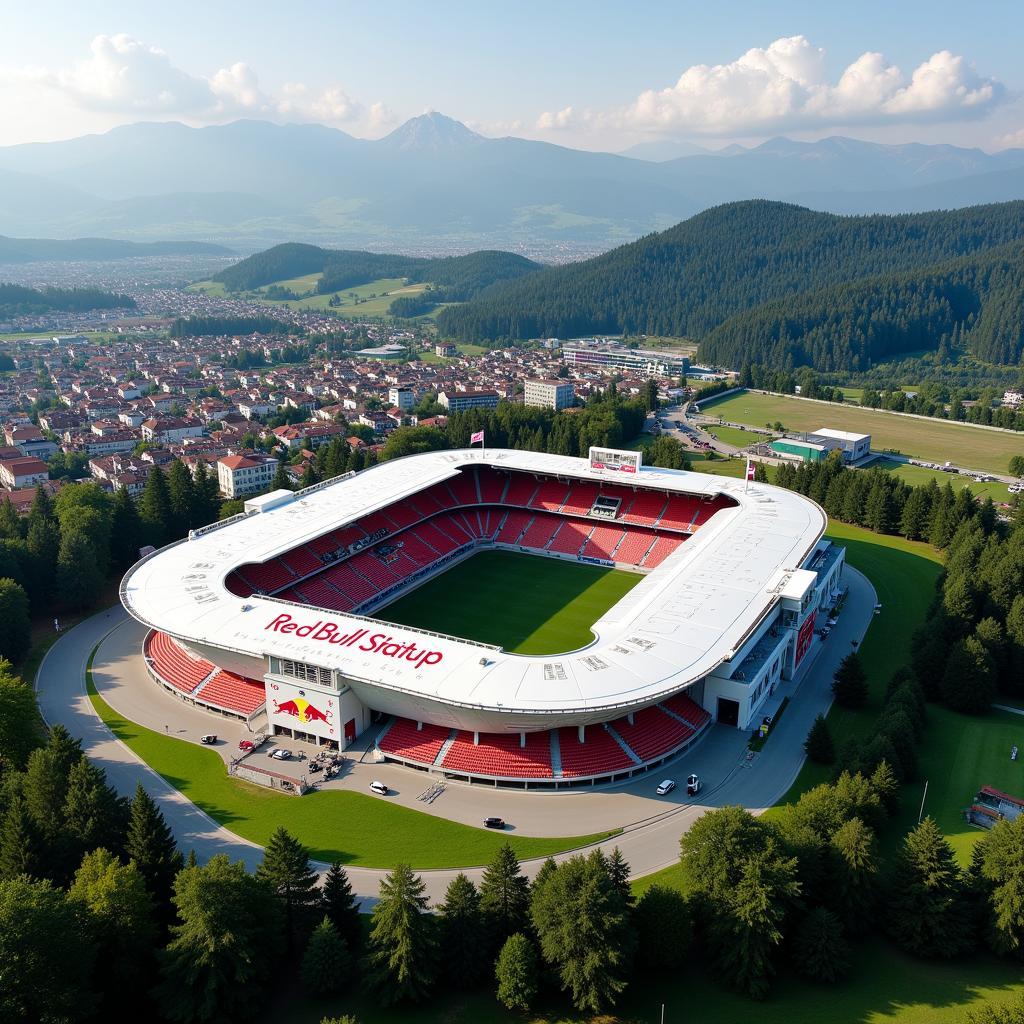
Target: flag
750, 470
478, 436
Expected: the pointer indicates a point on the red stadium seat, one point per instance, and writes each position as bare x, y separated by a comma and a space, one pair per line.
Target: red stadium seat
663, 547
599, 753
404, 740
174, 665
653, 733
500, 755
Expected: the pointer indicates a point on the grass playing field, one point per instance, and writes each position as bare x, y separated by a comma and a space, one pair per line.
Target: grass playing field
934, 440
917, 475
526, 604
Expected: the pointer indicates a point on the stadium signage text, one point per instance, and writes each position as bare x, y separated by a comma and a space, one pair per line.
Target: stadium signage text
377, 643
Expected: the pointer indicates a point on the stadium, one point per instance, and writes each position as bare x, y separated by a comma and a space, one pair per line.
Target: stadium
508, 617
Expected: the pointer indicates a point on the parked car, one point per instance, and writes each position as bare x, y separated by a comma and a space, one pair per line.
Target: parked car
280, 754
246, 745
494, 822
666, 786
210, 737
692, 785
379, 788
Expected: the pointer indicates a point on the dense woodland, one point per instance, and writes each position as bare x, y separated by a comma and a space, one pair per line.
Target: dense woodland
691, 279
455, 277
17, 300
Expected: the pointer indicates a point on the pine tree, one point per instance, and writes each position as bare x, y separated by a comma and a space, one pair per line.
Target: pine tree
126, 530
886, 785
10, 522
1000, 871
79, 580
93, 814
155, 510
402, 954
968, 683
327, 962
818, 745
463, 937
206, 496
309, 475
181, 499
18, 842
854, 889
516, 973
43, 533
927, 912
286, 869
15, 624
819, 950
850, 684
281, 481
504, 897
150, 843
341, 906
544, 872
619, 872
21, 728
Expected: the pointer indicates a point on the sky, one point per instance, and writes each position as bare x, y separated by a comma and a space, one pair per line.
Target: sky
592, 75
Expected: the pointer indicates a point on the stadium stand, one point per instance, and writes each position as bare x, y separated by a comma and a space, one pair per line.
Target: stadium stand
301, 561
680, 512
663, 547
521, 490
645, 509
687, 709
174, 665
464, 489
403, 739
492, 486
550, 495
233, 693
603, 542
707, 509
580, 499
512, 528
634, 546
268, 577
500, 755
597, 755
540, 531
570, 537
653, 733
342, 577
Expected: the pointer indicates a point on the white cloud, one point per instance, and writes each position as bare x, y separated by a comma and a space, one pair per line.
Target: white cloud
785, 86
127, 76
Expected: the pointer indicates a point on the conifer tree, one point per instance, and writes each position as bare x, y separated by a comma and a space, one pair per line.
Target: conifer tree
150, 843
850, 684
504, 897
401, 960
181, 499
281, 481
819, 949
126, 530
79, 579
463, 937
854, 888
155, 510
327, 962
286, 869
341, 906
10, 522
1000, 873
93, 813
818, 745
18, 842
663, 929
927, 912
15, 624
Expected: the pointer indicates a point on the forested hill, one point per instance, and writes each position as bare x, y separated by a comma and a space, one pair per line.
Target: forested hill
975, 304
29, 250
16, 300
460, 276
688, 280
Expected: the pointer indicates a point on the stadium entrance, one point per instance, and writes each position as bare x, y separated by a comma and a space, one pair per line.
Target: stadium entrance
728, 711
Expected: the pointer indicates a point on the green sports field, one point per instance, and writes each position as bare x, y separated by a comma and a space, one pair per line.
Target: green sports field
934, 440
526, 604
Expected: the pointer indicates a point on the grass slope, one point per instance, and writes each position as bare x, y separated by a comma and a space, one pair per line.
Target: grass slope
933, 440
351, 827
526, 604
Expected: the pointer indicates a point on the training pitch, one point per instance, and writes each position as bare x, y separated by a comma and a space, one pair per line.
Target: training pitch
527, 604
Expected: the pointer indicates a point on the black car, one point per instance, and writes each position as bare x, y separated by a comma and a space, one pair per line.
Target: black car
494, 822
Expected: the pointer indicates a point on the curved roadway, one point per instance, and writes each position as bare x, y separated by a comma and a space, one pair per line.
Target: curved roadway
651, 826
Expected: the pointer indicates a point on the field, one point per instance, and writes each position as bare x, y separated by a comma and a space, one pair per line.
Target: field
527, 604
736, 437
917, 475
934, 440
334, 825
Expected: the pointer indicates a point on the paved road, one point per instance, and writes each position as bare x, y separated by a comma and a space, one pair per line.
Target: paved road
651, 826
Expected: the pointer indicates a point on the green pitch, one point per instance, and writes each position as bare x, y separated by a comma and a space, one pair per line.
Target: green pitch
527, 604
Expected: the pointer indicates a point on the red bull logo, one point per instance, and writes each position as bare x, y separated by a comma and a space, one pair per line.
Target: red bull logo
384, 644
302, 710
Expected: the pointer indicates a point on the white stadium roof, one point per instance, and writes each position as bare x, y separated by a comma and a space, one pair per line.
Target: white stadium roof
681, 621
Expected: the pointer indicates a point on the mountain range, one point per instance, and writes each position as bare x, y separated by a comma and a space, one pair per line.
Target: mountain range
433, 185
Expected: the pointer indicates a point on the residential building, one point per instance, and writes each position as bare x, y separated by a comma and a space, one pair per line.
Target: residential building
245, 473
26, 471
403, 398
551, 394
459, 401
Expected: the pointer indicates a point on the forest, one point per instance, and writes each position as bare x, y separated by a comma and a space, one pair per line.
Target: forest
738, 259
16, 300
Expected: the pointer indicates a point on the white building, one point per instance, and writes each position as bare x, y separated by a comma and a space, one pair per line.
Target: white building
238, 475
551, 394
853, 446
459, 401
401, 398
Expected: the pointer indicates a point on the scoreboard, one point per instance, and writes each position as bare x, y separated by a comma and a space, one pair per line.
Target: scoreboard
615, 461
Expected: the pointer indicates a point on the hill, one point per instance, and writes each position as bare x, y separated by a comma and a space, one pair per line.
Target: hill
435, 182
454, 278
31, 250
693, 278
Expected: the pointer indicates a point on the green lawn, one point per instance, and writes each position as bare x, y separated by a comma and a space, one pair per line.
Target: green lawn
351, 827
526, 604
464, 349
917, 475
735, 437
934, 440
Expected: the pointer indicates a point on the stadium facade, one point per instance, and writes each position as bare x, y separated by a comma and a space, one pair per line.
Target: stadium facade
281, 611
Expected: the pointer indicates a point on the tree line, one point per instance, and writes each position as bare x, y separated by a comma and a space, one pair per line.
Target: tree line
18, 300
688, 280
